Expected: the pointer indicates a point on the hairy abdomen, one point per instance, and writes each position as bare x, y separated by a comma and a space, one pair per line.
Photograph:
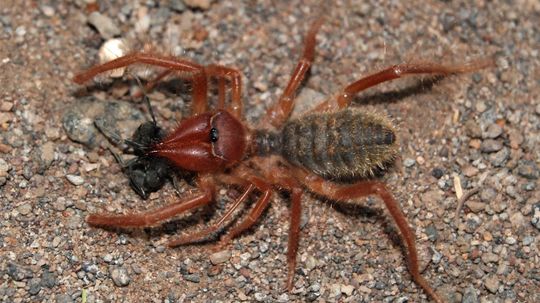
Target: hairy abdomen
344, 145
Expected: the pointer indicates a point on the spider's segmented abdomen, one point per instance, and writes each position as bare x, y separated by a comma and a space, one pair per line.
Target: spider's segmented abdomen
345, 145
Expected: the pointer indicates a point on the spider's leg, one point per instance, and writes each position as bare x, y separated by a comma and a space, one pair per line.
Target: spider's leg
280, 112
343, 99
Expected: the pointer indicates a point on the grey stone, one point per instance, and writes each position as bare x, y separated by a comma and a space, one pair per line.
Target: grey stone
64, 298
34, 286
18, 272
177, 5
528, 169
120, 276
490, 146
472, 129
195, 278
48, 279
499, 158
493, 131
470, 295
409, 162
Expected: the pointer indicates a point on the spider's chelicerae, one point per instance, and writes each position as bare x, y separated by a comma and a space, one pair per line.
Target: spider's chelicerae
330, 151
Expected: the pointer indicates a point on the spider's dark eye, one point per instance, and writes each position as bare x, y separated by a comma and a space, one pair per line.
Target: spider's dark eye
214, 135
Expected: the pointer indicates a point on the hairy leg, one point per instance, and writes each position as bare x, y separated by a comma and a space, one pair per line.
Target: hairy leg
182, 68
198, 236
254, 214
155, 216
281, 177
280, 112
344, 98
361, 189
294, 234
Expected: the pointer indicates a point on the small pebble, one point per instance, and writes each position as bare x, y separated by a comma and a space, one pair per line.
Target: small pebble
75, 179
108, 258
347, 290
335, 291
487, 194
470, 171
47, 10
475, 207
120, 276
499, 158
263, 247
437, 172
104, 25
528, 240
20, 31
510, 240
110, 50
492, 284
480, 107
490, 257
409, 162
283, 298
6, 106
311, 263
470, 295
46, 156
490, 146
473, 129
535, 220
34, 286
195, 278
528, 169
4, 168
17, 272
432, 233
472, 223
24, 209
201, 4
493, 131
48, 279
177, 5
63, 298
220, 257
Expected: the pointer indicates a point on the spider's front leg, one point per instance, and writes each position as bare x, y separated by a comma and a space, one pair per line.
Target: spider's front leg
152, 217
340, 192
182, 68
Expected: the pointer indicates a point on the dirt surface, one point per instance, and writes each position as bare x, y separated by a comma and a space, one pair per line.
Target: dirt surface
478, 132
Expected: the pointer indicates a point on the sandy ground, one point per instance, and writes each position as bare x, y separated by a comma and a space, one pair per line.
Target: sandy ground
478, 132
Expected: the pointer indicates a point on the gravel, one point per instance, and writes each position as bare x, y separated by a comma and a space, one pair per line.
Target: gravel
481, 129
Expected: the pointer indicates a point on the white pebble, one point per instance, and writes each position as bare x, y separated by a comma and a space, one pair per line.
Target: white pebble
75, 180
110, 50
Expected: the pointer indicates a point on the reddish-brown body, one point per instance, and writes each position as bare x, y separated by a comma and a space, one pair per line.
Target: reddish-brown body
188, 146
220, 147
